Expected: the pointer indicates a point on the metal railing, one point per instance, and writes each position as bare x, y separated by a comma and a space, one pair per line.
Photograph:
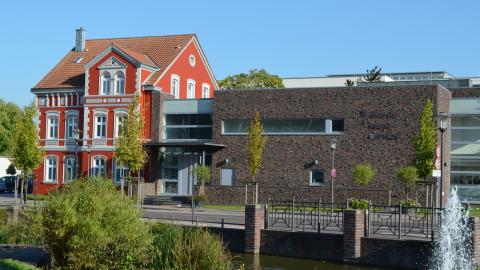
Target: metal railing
186, 219
304, 216
401, 221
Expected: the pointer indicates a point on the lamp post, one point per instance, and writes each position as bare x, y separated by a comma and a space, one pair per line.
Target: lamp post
333, 146
76, 133
442, 126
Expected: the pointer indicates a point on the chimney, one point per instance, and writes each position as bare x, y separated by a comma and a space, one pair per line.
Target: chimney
80, 40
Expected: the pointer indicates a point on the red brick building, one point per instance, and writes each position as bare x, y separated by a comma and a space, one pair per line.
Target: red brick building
82, 100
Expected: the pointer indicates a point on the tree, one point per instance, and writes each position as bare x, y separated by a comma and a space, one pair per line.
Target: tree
8, 114
129, 149
349, 83
11, 169
372, 75
26, 152
255, 144
363, 174
408, 176
203, 175
255, 79
425, 142
90, 225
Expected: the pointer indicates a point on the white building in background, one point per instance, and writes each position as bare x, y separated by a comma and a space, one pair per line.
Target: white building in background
4, 163
393, 78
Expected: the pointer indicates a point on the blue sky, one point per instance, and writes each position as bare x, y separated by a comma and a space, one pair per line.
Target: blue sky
288, 38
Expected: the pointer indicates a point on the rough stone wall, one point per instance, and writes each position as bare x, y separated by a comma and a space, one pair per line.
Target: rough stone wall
380, 123
467, 92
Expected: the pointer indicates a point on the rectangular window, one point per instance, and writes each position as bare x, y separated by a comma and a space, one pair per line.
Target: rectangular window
227, 176
316, 177
120, 172
72, 124
70, 173
51, 169
205, 91
119, 120
286, 126
99, 166
175, 86
53, 127
100, 126
188, 126
191, 89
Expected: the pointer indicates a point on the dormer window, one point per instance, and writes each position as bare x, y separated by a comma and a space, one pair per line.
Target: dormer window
119, 83
106, 83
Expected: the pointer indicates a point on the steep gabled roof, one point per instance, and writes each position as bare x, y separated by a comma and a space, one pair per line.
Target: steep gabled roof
156, 51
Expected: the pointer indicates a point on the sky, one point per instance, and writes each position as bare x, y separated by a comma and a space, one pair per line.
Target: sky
288, 38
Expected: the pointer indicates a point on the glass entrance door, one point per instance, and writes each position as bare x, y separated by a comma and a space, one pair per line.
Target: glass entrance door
170, 174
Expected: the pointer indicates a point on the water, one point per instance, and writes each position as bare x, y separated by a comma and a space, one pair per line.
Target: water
265, 262
451, 250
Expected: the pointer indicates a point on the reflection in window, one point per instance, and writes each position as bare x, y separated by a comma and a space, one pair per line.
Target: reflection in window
286, 126
316, 177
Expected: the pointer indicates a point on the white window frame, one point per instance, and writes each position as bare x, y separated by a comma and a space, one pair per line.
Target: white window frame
96, 123
101, 170
51, 116
175, 92
123, 172
66, 167
102, 83
68, 125
311, 177
190, 95
119, 114
119, 90
205, 90
47, 167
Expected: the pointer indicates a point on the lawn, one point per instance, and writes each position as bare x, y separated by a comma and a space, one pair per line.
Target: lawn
9, 264
224, 207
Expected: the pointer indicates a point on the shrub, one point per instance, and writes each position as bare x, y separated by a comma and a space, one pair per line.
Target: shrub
408, 176
408, 203
177, 248
363, 174
9, 264
90, 225
359, 204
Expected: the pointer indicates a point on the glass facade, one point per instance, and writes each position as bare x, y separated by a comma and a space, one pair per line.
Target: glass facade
465, 156
286, 126
188, 127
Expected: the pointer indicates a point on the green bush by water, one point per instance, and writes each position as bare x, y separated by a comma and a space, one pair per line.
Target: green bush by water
9, 264
185, 248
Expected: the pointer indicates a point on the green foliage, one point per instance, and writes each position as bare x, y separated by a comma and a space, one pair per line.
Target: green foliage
10, 264
203, 174
90, 225
26, 152
255, 79
255, 144
129, 148
408, 176
425, 142
363, 174
349, 83
373, 75
185, 248
8, 115
11, 169
359, 204
408, 203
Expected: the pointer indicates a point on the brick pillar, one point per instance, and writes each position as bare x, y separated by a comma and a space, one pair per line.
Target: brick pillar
353, 230
474, 224
254, 219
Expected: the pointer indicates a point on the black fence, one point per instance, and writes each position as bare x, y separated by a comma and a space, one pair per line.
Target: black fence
401, 221
304, 216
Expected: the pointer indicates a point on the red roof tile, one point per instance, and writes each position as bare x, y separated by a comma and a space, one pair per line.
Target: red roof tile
157, 51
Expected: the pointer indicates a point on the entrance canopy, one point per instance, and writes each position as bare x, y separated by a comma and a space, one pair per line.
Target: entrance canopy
189, 146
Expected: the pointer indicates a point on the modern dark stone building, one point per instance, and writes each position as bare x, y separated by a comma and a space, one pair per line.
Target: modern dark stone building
371, 125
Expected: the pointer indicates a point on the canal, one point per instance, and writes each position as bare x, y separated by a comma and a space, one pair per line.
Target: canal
265, 262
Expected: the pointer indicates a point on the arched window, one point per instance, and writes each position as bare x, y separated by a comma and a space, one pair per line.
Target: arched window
175, 86
190, 88
106, 83
119, 83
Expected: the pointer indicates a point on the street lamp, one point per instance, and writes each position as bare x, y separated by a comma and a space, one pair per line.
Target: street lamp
333, 146
442, 127
76, 133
